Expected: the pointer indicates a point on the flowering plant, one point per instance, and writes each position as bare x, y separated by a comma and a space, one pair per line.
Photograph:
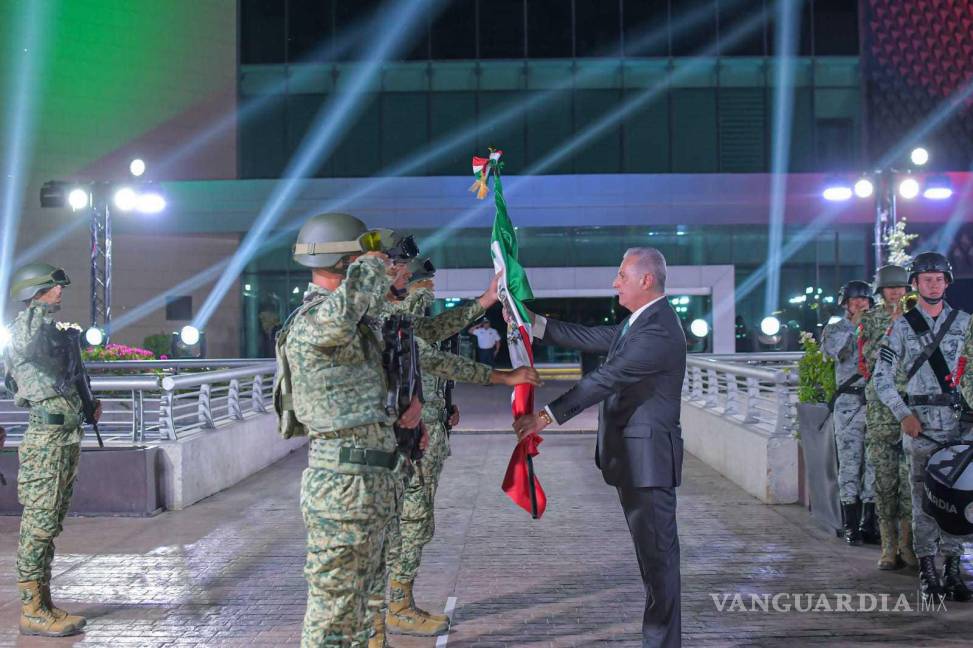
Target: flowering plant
815, 373
117, 352
897, 241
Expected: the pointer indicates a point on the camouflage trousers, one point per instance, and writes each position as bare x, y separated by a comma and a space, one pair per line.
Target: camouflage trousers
856, 476
346, 509
45, 485
893, 496
417, 523
927, 536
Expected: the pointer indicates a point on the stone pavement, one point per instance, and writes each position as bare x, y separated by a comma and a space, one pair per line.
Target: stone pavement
227, 571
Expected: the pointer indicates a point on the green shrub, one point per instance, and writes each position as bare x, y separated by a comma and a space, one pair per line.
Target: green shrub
815, 373
159, 344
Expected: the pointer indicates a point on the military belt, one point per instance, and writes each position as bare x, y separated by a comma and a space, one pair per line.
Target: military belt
932, 400
39, 416
327, 456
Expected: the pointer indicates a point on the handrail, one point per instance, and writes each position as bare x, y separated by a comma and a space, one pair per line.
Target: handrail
184, 381
181, 363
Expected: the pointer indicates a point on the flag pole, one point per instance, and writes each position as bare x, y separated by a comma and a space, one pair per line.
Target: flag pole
533, 488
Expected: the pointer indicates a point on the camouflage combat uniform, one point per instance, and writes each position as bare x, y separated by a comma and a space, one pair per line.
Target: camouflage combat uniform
51, 447
856, 477
883, 437
897, 354
348, 490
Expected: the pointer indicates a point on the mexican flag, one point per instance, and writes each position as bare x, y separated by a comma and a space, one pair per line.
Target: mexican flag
519, 483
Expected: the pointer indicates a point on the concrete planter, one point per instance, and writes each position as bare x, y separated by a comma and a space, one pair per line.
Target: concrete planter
820, 463
111, 481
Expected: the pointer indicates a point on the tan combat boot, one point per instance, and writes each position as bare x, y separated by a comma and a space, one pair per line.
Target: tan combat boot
76, 619
905, 544
377, 640
36, 618
405, 618
889, 558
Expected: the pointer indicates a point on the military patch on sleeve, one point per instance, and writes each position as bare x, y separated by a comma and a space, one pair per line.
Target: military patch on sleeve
886, 355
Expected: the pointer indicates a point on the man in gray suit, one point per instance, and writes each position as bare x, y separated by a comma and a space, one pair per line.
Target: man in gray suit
639, 447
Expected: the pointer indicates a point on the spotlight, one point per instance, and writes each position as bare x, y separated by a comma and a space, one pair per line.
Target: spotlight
189, 335
94, 336
909, 188
938, 188
5, 337
52, 194
837, 190
137, 167
699, 328
126, 199
770, 326
150, 202
78, 198
919, 156
864, 188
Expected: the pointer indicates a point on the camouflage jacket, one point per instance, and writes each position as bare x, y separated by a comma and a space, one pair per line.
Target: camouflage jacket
838, 341
335, 353
898, 353
874, 325
29, 360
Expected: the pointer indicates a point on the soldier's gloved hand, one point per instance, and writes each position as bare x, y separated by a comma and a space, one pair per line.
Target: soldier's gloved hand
424, 439
910, 425
489, 296
454, 417
97, 412
411, 418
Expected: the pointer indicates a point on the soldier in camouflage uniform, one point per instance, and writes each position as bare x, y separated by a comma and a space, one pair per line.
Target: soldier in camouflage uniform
856, 477
412, 527
51, 448
883, 438
333, 346
927, 409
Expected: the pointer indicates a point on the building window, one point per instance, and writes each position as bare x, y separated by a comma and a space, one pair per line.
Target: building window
179, 308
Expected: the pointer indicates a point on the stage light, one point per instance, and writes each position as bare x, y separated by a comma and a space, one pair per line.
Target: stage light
864, 188
137, 167
919, 156
699, 328
126, 199
150, 202
94, 336
770, 326
938, 188
78, 198
837, 191
909, 188
189, 335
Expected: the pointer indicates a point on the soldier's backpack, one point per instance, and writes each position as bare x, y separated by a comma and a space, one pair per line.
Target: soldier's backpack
287, 424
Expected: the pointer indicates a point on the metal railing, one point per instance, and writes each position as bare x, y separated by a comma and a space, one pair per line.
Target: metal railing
759, 390
160, 401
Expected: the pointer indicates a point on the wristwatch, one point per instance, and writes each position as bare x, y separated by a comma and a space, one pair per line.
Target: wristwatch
544, 416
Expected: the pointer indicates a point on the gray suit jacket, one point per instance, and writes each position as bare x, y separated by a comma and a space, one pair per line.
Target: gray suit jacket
640, 390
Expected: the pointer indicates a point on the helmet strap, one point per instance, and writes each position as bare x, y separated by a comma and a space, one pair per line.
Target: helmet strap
932, 301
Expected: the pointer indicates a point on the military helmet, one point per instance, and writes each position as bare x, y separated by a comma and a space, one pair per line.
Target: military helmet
327, 238
421, 268
930, 262
28, 280
855, 288
891, 276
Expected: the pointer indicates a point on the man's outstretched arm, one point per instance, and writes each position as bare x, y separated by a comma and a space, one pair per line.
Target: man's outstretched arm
591, 339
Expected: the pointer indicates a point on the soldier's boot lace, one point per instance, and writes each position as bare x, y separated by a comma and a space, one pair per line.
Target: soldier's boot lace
906, 553
852, 515
889, 558
405, 618
956, 589
868, 528
36, 618
76, 619
929, 584
378, 640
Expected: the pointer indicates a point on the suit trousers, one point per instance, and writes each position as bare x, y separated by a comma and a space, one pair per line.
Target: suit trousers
651, 517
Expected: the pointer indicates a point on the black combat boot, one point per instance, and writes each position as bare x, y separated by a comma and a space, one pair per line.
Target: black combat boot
956, 589
868, 527
852, 515
929, 584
